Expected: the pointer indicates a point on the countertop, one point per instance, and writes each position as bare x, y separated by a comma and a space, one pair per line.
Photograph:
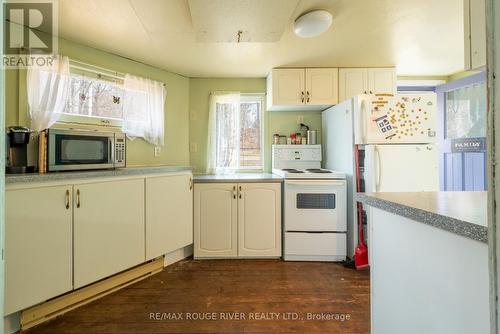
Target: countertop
239, 177
62, 176
462, 213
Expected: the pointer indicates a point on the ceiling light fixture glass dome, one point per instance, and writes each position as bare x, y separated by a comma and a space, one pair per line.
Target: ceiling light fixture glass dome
312, 24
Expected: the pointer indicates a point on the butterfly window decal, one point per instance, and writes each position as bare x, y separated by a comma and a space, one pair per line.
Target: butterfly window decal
116, 99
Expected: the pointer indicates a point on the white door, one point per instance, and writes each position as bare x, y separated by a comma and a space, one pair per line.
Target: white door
215, 220
322, 86
109, 229
382, 81
288, 86
169, 214
315, 205
401, 119
352, 81
402, 168
259, 219
39, 248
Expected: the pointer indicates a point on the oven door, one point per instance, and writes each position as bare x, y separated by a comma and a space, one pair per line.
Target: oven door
80, 150
315, 205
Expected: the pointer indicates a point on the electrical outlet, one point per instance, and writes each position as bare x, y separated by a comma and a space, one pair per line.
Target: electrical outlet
157, 151
193, 147
300, 119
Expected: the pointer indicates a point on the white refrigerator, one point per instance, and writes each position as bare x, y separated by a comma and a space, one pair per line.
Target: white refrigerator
396, 137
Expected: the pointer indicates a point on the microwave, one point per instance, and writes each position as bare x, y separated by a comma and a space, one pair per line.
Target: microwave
70, 149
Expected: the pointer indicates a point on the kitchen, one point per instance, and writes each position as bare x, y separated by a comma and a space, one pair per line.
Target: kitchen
262, 175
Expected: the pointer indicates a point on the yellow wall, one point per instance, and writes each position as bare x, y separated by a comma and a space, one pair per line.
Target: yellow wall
176, 149
274, 122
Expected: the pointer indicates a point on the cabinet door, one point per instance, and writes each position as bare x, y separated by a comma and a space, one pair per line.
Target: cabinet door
259, 219
288, 86
382, 81
352, 81
169, 214
38, 241
322, 86
215, 220
109, 229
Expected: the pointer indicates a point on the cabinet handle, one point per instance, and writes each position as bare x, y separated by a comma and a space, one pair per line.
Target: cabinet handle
78, 198
302, 96
239, 195
234, 192
307, 93
365, 91
67, 199
190, 184
371, 92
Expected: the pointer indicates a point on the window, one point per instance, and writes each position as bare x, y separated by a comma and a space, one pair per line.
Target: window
236, 128
95, 97
466, 112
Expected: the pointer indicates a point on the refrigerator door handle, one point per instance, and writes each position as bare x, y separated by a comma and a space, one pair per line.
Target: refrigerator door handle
378, 168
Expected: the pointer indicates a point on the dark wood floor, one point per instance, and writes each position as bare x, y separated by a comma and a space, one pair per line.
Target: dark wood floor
250, 288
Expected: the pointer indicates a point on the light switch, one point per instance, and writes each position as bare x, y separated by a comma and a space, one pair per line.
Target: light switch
157, 151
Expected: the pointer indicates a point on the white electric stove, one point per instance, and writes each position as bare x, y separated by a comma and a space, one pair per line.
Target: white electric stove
315, 221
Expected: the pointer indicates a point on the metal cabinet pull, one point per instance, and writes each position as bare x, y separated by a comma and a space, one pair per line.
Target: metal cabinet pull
78, 198
190, 184
239, 192
234, 192
67, 199
308, 95
302, 96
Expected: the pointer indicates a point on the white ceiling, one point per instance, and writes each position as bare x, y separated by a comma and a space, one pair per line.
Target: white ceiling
420, 37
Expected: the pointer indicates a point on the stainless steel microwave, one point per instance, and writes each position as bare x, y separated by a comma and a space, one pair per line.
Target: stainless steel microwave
69, 149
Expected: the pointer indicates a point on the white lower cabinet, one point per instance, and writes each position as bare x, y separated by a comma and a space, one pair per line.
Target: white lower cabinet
259, 219
169, 214
237, 220
38, 245
109, 229
215, 220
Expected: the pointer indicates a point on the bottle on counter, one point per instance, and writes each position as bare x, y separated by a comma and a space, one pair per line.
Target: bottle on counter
298, 138
304, 141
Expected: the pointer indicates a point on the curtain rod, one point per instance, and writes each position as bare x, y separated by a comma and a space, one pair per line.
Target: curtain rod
100, 70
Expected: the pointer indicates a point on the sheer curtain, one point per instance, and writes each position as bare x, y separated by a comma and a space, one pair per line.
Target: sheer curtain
48, 89
143, 109
223, 132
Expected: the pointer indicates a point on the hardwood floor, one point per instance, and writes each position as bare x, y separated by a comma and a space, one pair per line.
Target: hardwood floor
254, 290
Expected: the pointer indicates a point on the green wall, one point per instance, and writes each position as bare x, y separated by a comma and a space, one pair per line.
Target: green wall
186, 109
176, 149
274, 122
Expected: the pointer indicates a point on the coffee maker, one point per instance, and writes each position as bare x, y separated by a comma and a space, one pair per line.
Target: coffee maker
17, 141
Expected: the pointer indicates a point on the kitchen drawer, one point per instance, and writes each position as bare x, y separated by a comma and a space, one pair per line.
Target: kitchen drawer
303, 246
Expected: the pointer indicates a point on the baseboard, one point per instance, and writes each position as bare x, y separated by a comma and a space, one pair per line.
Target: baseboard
178, 255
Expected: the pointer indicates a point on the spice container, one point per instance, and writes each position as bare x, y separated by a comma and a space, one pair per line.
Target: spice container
276, 139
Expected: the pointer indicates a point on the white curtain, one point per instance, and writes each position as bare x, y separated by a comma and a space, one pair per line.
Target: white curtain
48, 89
143, 109
223, 132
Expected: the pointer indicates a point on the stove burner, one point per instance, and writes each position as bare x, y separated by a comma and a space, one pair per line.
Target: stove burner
292, 170
317, 170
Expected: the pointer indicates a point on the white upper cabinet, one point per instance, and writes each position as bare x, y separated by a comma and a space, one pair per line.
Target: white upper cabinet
109, 229
321, 86
475, 34
38, 245
382, 81
302, 89
169, 213
354, 81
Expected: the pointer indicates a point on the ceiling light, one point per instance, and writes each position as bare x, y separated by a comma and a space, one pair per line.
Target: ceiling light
312, 24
